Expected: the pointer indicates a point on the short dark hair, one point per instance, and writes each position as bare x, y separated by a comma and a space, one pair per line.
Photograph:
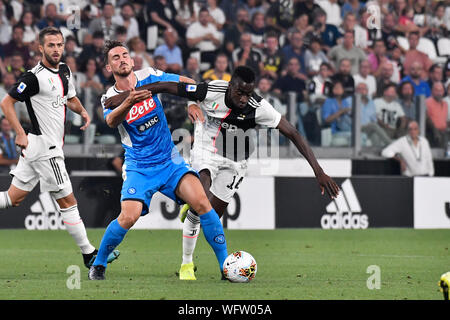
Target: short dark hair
244, 73
49, 31
109, 45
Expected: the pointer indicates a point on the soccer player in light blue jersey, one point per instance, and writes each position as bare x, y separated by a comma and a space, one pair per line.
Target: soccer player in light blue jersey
152, 162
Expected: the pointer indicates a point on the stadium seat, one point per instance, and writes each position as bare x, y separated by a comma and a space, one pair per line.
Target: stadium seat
425, 45
444, 47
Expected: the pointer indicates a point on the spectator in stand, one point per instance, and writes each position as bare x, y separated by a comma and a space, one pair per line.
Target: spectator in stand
333, 11
405, 21
295, 49
205, 37
437, 26
264, 89
365, 77
105, 22
336, 113
217, 17
137, 47
160, 63
219, 72
365, 36
349, 22
163, 14
70, 47
421, 87
50, 18
369, 123
92, 51
231, 9
31, 30
314, 57
5, 26
407, 100
345, 77
413, 152
437, 113
328, 33
272, 57
16, 45
171, 51
8, 80
352, 6
187, 11
294, 81
257, 6
385, 77
436, 74
127, 19
388, 32
306, 6
414, 55
16, 64
192, 69
317, 88
281, 15
349, 51
248, 56
9, 155
389, 112
377, 57
235, 29
121, 34
258, 29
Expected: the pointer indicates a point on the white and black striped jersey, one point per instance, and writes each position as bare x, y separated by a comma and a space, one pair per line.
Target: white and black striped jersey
223, 122
45, 92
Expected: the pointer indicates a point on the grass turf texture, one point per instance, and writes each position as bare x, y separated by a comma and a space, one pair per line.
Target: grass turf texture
292, 264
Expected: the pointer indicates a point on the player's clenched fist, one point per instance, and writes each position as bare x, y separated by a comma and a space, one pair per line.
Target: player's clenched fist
136, 96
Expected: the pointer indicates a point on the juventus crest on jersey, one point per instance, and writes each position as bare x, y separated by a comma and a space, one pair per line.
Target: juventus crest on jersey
45, 92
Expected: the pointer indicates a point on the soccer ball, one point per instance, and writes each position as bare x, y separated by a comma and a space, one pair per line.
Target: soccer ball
240, 266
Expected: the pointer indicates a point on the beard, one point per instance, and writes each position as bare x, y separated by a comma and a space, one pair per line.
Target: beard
52, 61
123, 73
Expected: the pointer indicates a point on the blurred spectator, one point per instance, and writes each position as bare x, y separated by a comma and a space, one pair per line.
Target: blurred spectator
219, 72
295, 50
121, 34
272, 57
171, 51
8, 80
436, 74
217, 17
258, 29
77, 77
421, 87
92, 51
385, 77
397, 65
137, 47
314, 57
345, 77
413, 153
407, 100
405, 21
192, 69
437, 23
336, 113
369, 123
388, 32
377, 57
138, 62
306, 6
437, 113
264, 89
352, 6
365, 77
414, 55
280, 15
420, 16
293, 81
16, 64
105, 22
70, 48
328, 33
163, 14
389, 112
50, 18
16, 45
349, 22
364, 34
9, 155
205, 37
160, 63
333, 11
187, 11
349, 51
5, 27
233, 32
257, 6
246, 55
301, 24
126, 18
231, 9
31, 31
317, 88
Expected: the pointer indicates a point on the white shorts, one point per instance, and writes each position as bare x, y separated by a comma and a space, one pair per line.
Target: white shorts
51, 174
226, 175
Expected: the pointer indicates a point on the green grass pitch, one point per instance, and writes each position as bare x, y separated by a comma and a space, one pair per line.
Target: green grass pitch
292, 264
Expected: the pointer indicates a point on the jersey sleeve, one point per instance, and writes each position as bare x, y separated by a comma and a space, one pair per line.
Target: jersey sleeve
158, 75
266, 115
105, 110
194, 92
26, 87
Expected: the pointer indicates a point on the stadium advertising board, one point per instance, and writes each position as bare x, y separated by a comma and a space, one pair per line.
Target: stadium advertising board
431, 203
365, 202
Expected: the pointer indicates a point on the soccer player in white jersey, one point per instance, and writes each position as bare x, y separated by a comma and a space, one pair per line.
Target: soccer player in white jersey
47, 91
229, 106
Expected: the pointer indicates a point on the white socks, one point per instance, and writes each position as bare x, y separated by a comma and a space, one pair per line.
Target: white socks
5, 201
75, 227
191, 229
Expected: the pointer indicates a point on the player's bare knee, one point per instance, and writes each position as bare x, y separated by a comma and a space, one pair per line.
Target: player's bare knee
202, 205
127, 220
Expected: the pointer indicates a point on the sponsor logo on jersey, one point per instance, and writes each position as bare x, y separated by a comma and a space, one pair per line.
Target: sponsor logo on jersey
215, 105
60, 102
344, 208
191, 88
131, 190
140, 109
150, 123
21, 87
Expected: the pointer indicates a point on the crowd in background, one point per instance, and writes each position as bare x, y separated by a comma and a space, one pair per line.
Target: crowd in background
325, 51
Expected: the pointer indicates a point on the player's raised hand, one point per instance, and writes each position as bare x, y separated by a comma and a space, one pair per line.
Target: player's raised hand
86, 120
195, 113
328, 184
136, 96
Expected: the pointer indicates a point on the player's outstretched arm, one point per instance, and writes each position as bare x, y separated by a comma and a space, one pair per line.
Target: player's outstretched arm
325, 182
